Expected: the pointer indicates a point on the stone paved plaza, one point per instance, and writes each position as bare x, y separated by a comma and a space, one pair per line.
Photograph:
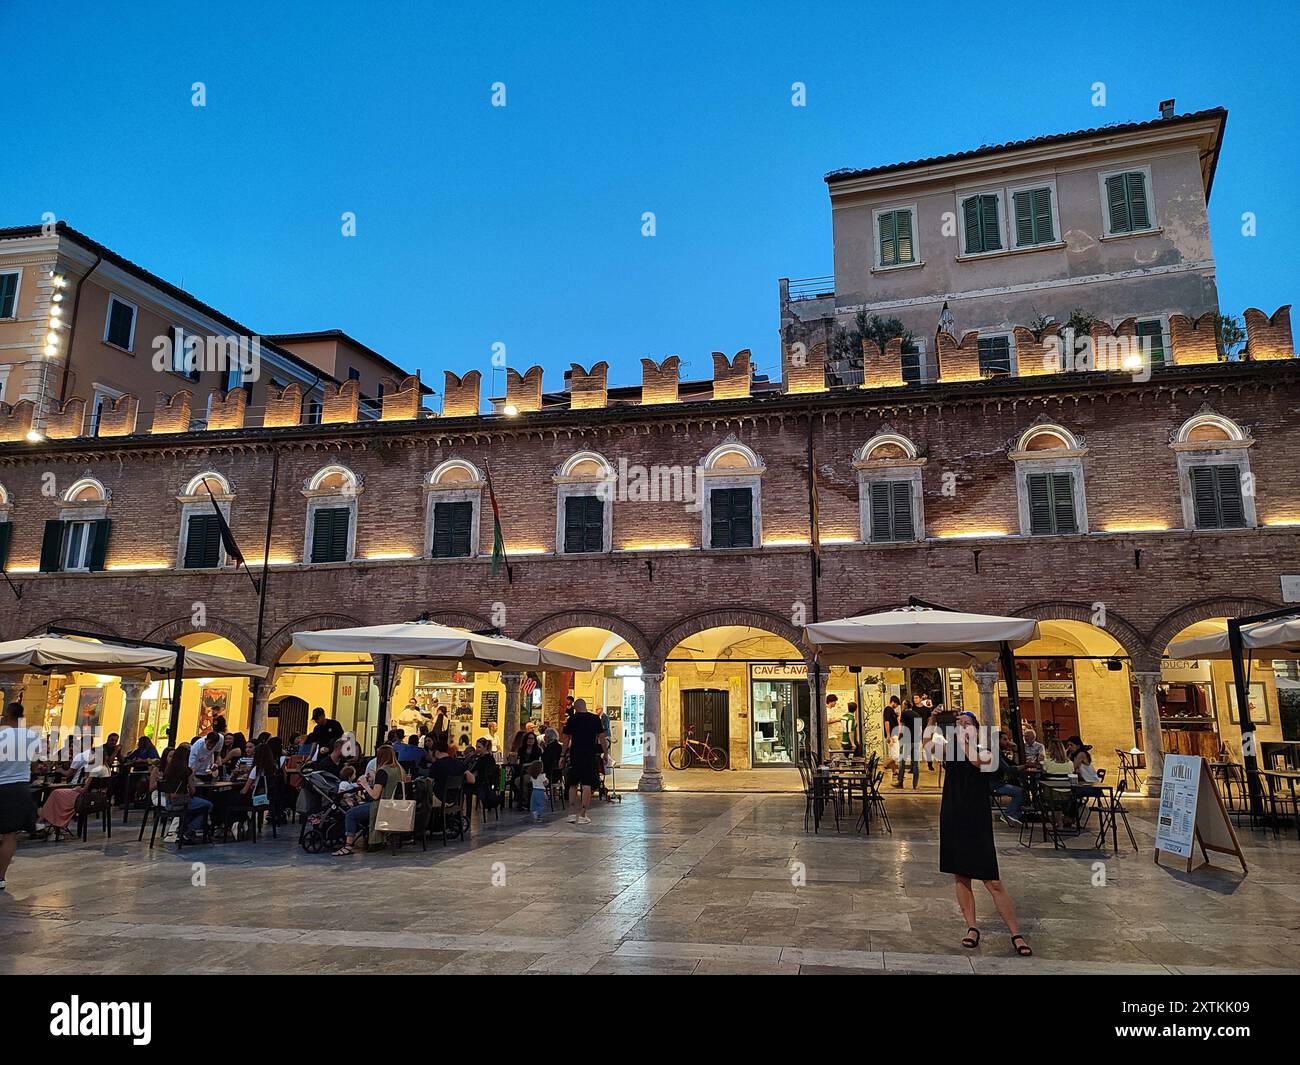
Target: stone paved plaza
672, 883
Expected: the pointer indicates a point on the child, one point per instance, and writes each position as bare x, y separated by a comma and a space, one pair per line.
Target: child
348, 786
537, 801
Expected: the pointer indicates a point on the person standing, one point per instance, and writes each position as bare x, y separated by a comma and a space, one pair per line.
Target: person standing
325, 731
440, 727
19, 746
966, 832
585, 742
891, 729
911, 723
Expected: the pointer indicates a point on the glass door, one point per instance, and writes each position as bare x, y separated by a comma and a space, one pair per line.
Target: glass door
773, 730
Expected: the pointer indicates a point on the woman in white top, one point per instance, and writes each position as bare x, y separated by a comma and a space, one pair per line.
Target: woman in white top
19, 746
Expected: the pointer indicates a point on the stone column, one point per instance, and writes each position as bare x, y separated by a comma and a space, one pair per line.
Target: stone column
510, 712
1148, 682
820, 745
988, 685
132, 690
261, 714
652, 777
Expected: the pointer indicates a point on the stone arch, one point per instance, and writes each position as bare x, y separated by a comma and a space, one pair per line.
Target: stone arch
572, 619
88, 624
283, 638
173, 630
1223, 607
712, 619
1124, 632
460, 620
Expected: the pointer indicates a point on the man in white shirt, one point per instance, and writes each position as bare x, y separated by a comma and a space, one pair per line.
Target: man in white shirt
18, 747
203, 755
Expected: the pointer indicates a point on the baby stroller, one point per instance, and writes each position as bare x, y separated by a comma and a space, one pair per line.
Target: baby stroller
322, 813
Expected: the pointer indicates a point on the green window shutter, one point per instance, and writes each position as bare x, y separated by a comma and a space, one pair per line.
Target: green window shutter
203, 542
329, 538
1042, 206
990, 229
888, 240
732, 512
452, 525
1063, 516
1040, 504
1232, 508
6, 534
1023, 205
52, 546
1135, 183
1151, 328
120, 320
881, 526
8, 295
970, 209
98, 544
901, 505
1117, 204
584, 525
903, 226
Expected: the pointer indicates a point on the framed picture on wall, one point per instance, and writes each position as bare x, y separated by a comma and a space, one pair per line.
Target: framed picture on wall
90, 707
1258, 703
213, 703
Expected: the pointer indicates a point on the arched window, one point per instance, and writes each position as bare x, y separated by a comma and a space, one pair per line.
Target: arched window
453, 492
584, 505
731, 479
77, 540
201, 546
1214, 479
1049, 481
890, 499
331, 515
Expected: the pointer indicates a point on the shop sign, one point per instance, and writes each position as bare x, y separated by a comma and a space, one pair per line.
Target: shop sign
1291, 587
779, 671
489, 707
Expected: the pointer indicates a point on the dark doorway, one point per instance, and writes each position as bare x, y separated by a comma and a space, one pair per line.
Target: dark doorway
706, 711
290, 714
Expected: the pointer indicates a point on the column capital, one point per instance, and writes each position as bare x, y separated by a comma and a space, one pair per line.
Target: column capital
511, 678
133, 689
654, 678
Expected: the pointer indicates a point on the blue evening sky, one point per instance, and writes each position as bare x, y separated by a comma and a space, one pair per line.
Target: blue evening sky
523, 224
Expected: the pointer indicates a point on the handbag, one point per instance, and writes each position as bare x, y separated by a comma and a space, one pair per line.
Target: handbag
396, 815
262, 799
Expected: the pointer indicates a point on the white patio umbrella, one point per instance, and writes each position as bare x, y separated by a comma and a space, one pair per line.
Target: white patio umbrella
917, 636
54, 654
1271, 639
429, 645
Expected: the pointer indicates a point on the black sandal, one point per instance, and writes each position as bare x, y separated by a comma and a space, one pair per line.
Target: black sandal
971, 942
1022, 948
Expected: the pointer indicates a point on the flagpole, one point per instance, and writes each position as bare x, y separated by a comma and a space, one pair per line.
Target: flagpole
228, 540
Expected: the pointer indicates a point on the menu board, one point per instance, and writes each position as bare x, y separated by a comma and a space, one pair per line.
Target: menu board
1192, 811
489, 708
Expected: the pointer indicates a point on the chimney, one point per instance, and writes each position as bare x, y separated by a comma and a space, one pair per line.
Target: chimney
1166, 109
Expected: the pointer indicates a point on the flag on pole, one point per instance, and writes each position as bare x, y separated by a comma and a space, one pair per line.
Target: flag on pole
498, 541
228, 540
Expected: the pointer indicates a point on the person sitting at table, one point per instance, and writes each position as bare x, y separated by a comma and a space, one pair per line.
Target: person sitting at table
178, 787
1057, 768
552, 753
486, 775
528, 751
203, 756
1081, 758
446, 764
410, 753
388, 778
262, 770
331, 760
349, 793
1034, 750
1006, 780
145, 750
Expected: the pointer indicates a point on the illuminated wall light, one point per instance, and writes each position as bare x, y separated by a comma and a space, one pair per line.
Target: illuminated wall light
832, 540
979, 535
1136, 528
1276, 523
510, 410
786, 543
123, 566
24, 569
658, 547
525, 551
389, 556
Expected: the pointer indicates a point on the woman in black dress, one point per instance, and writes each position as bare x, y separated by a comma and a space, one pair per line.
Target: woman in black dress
966, 831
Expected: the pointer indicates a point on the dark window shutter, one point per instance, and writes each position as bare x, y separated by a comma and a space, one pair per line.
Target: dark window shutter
1063, 517
98, 544
1117, 204
1136, 187
990, 230
1024, 208
8, 295
888, 240
881, 529
584, 525
1232, 509
1040, 504
452, 523
6, 533
120, 318
891, 512
52, 546
1043, 232
733, 517
203, 542
901, 497
1152, 329
1205, 503
903, 225
971, 218
329, 538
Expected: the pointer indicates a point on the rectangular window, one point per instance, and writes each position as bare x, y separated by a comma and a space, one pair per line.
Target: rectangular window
911, 367
1126, 202
1153, 330
891, 512
732, 513
6, 529
452, 523
1216, 497
329, 534
895, 229
1051, 504
119, 329
995, 355
1033, 209
983, 230
584, 524
203, 542
183, 362
9, 295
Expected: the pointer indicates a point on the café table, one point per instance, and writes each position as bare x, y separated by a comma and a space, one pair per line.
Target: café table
221, 793
1275, 778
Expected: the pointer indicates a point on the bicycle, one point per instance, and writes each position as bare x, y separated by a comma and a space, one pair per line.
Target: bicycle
690, 751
